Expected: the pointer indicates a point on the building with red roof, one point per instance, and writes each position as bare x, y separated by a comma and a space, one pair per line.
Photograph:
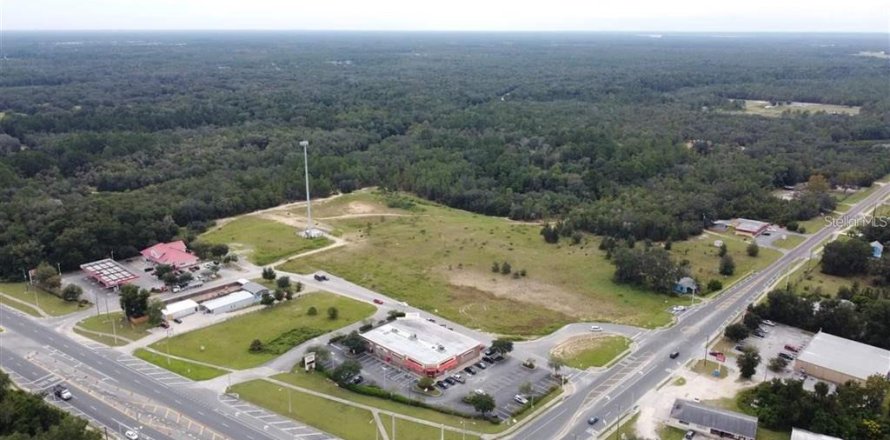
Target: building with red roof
174, 254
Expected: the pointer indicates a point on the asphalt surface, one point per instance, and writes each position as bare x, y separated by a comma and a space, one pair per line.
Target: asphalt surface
201, 406
614, 392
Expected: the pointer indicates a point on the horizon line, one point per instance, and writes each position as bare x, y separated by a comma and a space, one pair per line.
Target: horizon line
468, 31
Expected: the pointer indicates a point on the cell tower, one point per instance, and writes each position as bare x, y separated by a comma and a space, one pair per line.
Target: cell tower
310, 231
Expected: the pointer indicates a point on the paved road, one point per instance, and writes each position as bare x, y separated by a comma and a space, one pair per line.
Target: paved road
612, 393
201, 406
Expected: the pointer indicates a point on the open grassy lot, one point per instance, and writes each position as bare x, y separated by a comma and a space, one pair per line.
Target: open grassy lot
815, 224
670, 433
591, 350
341, 420
764, 108
408, 430
789, 242
226, 344
705, 262
856, 197
102, 339
707, 368
318, 382
180, 367
440, 259
266, 240
48, 302
810, 279
123, 328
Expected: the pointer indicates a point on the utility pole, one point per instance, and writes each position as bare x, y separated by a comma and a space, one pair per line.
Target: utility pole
113, 325
309, 229
393, 426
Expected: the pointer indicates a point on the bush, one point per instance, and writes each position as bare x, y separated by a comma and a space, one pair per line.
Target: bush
333, 313
312, 311
714, 285
505, 268
495, 267
365, 328
777, 364
289, 339
72, 292
256, 346
753, 249
736, 332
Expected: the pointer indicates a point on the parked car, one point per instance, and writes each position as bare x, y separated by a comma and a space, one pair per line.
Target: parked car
768, 322
177, 320
689, 435
488, 359
674, 354
481, 365
149, 269
164, 324
378, 301
489, 352
458, 378
498, 357
441, 384
786, 356
739, 347
357, 379
759, 333
593, 421
520, 399
131, 435
470, 371
176, 289
596, 328
320, 277
792, 348
431, 320
450, 381
62, 392
479, 391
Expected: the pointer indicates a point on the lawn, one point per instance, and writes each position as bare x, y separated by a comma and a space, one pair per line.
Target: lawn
19, 306
122, 327
814, 224
705, 261
789, 242
763, 108
226, 344
670, 433
594, 352
707, 368
408, 430
180, 367
48, 302
318, 382
107, 340
857, 196
266, 240
440, 259
809, 279
341, 420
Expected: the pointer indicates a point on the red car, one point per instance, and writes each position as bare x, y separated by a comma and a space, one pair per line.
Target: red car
378, 301
792, 348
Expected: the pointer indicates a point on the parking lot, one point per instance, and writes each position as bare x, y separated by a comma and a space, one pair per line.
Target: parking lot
501, 380
774, 342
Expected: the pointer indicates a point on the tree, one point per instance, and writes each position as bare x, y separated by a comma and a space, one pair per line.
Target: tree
555, 363
346, 371
495, 267
736, 332
425, 383
219, 250
155, 312
47, 277
777, 364
714, 285
333, 313
748, 362
482, 403
505, 268
322, 355
818, 184
133, 301
845, 258
502, 346
727, 265
312, 311
283, 282
753, 249
267, 300
288, 294
652, 268
256, 346
268, 273
354, 342
72, 292
722, 251
550, 234
751, 320
162, 270
526, 389
298, 287
279, 295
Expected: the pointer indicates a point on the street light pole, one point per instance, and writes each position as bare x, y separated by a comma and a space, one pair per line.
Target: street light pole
305, 145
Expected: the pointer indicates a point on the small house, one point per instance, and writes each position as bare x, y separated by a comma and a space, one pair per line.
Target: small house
686, 286
877, 249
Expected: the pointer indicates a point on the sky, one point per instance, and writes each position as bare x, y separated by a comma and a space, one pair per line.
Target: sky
451, 15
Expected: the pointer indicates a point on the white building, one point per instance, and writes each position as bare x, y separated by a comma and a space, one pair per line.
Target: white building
800, 434
180, 309
838, 360
230, 302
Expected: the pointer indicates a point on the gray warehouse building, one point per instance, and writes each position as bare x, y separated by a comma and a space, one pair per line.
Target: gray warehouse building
715, 422
838, 360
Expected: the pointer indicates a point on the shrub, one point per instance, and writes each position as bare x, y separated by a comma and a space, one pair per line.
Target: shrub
365, 328
312, 311
714, 285
256, 346
333, 313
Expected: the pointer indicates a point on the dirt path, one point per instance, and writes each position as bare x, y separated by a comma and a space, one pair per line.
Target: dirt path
286, 206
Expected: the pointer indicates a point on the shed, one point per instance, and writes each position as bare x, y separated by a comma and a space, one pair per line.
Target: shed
180, 309
230, 302
800, 434
686, 286
877, 249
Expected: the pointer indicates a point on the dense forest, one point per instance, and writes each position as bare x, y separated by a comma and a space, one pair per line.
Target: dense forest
113, 141
26, 416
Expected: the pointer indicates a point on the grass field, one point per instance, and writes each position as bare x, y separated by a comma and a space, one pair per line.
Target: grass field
107, 340
318, 382
180, 367
19, 306
341, 420
48, 302
267, 241
790, 242
814, 224
670, 433
810, 279
408, 430
440, 259
763, 108
707, 368
103, 324
705, 262
226, 343
594, 352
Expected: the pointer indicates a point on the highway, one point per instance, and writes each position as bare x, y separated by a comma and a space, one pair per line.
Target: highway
616, 390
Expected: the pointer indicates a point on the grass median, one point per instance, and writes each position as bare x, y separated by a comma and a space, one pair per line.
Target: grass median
49, 303
185, 369
111, 324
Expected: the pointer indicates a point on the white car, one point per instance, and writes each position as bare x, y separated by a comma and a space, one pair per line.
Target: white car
596, 328
768, 322
131, 435
520, 399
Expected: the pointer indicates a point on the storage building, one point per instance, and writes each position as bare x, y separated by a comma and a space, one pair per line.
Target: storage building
230, 302
180, 309
713, 422
800, 434
838, 360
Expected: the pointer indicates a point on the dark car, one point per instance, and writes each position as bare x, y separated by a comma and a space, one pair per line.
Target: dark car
674, 354
378, 301
441, 384
740, 347
481, 365
164, 324
450, 381
786, 356
470, 370
357, 379
489, 352
593, 421
498, 357
759, 334
488, 359
177, 320
320, 277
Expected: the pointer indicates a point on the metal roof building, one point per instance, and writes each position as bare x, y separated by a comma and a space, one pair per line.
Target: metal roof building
686, 414
421, 346
749, 227
252, 287
108, 272
230, 302
180, 309
839, 360
800, 434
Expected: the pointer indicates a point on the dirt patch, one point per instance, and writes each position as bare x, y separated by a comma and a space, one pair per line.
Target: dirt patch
522, 289
576, 344
360, 208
